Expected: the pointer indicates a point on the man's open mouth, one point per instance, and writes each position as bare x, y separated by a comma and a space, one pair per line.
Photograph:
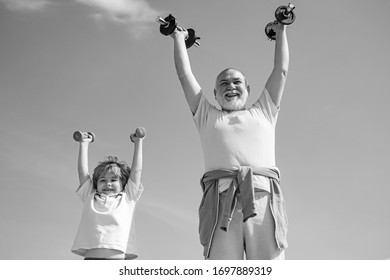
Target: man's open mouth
231, 95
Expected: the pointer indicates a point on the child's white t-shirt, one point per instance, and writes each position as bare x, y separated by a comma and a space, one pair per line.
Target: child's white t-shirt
107, 222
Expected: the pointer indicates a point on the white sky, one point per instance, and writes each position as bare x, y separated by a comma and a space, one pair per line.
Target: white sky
85, 65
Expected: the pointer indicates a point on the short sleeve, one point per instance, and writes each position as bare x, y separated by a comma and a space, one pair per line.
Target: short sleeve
268, 107
133, 192
85, 189
200, 116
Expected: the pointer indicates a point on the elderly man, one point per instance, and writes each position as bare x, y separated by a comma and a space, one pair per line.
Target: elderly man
242, 213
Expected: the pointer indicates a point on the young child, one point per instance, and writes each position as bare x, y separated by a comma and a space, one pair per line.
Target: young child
106, 228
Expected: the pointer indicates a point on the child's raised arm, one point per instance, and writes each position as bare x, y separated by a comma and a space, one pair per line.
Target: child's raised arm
277, 80
83, 160
191, 88
84, 138
136, 165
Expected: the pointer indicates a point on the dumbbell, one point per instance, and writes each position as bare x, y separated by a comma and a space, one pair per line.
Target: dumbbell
284, 15
169, 24
140, 132
78, 136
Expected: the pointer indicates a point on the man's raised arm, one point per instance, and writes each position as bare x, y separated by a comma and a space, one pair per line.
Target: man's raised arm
277, 79
191, 88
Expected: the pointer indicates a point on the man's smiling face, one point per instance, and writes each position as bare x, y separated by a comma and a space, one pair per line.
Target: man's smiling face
231, 90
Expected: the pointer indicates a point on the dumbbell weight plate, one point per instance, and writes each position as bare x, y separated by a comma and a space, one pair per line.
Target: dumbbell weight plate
170, 27
284, 16
191, 38
92, 136
77, 136
269, 31
140, 132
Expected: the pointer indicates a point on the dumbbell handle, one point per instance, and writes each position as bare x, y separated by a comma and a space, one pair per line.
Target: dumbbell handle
78, 136
163, 22
290, 7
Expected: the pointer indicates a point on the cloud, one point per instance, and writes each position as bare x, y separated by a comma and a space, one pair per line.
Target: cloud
124, 10
26, 5
138, 15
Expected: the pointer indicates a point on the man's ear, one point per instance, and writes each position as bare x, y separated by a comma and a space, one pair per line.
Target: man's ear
248, 88
215, 93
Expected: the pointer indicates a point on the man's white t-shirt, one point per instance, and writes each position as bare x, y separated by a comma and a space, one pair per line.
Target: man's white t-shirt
239, 138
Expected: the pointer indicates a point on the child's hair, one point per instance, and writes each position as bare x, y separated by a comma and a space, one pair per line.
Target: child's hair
111, 164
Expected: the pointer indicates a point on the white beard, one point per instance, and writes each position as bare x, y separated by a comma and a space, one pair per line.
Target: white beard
234, 105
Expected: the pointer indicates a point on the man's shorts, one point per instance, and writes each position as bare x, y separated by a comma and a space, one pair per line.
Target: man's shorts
254, 239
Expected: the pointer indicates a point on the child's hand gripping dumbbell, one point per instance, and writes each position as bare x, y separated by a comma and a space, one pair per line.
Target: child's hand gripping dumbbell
168, 26
140, 132
79, 136
284, 15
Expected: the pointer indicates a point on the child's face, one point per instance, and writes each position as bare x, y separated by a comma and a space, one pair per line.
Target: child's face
109, 184
231, 90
